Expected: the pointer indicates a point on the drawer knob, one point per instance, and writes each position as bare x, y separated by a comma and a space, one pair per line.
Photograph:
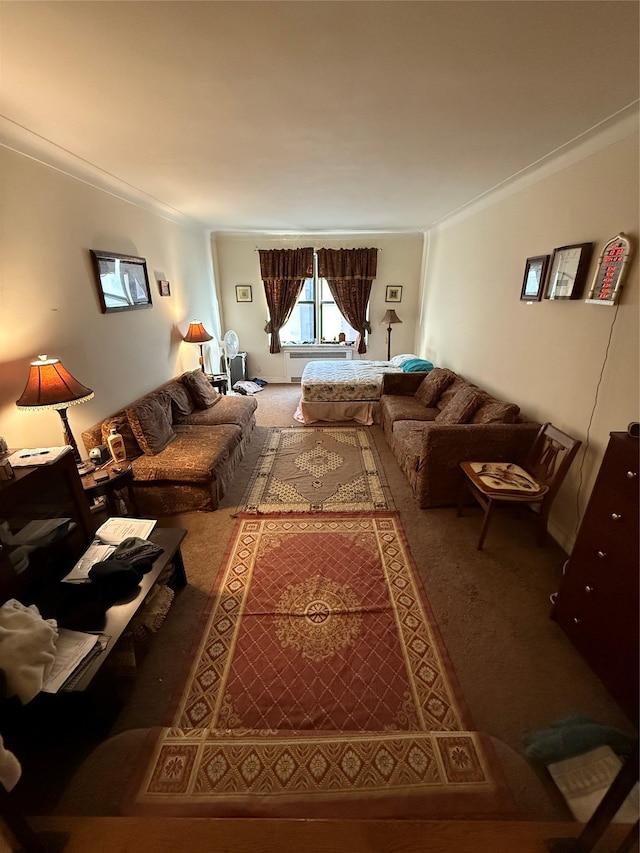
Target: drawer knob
575, 620
615, 516
588, 588
632, 474
602, 554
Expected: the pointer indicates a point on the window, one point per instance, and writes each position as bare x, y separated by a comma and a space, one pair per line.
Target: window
316, 317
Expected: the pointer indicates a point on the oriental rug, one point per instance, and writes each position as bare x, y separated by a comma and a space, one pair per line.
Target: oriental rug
318, 469
319, 688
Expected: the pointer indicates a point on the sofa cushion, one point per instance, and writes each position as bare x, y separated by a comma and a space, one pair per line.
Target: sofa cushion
228, 410
451, 390
150, 420
202, 392
121, 422
461, 407
181, 401
494, 411
196, 455
433, 385
402, 408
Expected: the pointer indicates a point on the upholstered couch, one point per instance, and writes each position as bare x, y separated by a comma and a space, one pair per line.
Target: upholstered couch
435, 422
184, 440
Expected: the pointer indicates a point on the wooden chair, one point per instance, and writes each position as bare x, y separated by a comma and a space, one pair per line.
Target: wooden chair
536, 482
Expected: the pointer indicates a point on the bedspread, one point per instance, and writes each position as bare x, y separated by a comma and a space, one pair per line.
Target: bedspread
342, 381
342, 390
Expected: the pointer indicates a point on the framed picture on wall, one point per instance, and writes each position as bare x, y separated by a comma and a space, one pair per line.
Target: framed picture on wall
164, 287
394, 293
535, 271
243, 293
568, 272
122, 280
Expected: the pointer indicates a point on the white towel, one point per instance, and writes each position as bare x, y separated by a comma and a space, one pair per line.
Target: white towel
10, 770
27, 648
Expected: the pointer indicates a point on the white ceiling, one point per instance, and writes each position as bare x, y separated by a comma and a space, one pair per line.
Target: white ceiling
312, 116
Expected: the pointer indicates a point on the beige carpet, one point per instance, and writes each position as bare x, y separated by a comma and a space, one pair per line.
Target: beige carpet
516, 669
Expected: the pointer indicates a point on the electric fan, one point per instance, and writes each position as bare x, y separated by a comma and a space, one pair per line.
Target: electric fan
230, 347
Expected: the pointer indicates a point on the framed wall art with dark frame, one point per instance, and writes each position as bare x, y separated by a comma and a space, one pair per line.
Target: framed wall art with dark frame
243, 293
122, 280
394, 293
164, 288
535, 271
568, 271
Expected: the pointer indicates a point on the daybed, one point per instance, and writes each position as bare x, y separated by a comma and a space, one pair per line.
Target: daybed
433, 423
184, 440
344, 390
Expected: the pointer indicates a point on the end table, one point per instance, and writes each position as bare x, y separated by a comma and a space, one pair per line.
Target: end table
120, 478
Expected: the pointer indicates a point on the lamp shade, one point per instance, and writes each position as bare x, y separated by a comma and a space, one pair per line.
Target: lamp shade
390, 317
51, 386
197, 334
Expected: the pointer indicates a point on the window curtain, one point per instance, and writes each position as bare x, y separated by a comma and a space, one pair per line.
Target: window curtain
283, 272
349, 274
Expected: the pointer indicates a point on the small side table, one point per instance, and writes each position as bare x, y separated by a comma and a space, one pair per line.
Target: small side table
118, 480
219, 381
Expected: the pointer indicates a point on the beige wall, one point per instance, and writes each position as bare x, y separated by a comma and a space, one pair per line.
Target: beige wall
567, 362
237, 262
49, 302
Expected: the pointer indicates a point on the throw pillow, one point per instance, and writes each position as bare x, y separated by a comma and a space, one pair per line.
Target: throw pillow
461, 408
416, 365
150, 420
181, 402
433, 385
201, 391
496, 412
121, 423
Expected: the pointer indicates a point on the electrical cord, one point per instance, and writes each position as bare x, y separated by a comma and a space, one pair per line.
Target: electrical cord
593, 410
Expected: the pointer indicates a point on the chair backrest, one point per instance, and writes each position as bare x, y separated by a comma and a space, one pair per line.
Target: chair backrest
550, 457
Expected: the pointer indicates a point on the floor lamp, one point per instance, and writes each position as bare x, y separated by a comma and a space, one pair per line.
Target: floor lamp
51, 386
197, 334
389, 318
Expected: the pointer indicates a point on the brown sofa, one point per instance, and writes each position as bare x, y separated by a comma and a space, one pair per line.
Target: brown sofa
184, 440
434, 423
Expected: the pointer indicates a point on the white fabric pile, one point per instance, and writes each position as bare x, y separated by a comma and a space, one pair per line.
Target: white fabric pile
27, 648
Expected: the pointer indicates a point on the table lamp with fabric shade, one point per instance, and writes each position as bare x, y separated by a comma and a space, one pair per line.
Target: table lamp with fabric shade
197, 334
389, 318
51, 386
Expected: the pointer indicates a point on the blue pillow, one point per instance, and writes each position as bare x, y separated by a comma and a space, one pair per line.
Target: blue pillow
417, 365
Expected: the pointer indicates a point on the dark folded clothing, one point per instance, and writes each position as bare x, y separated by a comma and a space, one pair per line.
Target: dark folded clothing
115, 577
136, 550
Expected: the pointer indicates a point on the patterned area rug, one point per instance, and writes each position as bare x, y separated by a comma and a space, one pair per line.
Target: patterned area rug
319, 688
318, 469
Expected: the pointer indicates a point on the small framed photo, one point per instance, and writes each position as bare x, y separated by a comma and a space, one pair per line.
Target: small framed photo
394, 293
535, 272
243, 293
164, 287
568, 272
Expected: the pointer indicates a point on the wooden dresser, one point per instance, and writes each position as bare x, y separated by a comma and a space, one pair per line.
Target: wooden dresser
597, 603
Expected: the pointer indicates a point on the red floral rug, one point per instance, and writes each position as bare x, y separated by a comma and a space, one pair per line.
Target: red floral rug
319, 687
